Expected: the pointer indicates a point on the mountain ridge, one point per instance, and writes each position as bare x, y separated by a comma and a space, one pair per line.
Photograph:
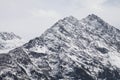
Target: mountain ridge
71, 49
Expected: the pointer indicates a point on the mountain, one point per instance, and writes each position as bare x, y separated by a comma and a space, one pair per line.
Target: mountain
9, 41
71, 49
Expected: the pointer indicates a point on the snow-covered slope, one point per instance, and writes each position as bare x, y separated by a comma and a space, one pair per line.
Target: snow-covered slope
9, 41
71, 49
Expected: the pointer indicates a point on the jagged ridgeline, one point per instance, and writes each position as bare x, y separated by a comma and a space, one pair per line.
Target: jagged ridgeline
71, 49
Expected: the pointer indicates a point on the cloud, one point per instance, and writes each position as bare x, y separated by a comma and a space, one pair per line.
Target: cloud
88, 3
45, 13
112, 3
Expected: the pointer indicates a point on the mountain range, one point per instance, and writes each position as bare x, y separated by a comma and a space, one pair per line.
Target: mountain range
72, 49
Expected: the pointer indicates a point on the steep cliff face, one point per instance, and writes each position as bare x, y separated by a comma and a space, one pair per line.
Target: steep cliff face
9, 41
71, 49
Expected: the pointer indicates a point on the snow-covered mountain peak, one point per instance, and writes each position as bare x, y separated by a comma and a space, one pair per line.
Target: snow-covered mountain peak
71, 49
9, 41
93, 17
8, 36
70, 18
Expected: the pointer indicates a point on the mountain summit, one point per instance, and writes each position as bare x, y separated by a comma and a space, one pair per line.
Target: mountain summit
9, 41
71, 49
8, 36
92, 17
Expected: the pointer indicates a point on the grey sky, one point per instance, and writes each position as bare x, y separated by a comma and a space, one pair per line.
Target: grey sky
30, 18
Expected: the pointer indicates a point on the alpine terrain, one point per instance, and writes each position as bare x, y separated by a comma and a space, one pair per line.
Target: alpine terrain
9, 41
72, 49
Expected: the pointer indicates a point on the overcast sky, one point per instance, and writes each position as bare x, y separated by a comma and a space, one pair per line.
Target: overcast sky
30, 18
